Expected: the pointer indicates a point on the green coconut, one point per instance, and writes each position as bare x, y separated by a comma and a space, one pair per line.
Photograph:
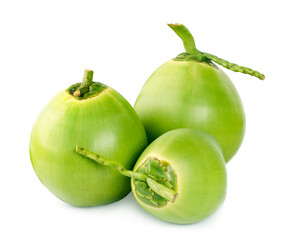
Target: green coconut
95, 116
190, 91
179, 178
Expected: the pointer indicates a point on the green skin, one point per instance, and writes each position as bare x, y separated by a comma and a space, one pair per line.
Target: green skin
191, 161
190, 94
190, 91
198, 161
104, 123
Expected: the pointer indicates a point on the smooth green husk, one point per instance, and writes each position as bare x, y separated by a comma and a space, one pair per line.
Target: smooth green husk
198, 161
105, 123
190, 94
190, 91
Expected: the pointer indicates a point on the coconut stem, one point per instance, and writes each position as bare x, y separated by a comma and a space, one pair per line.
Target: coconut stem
86, 82
163, 191
188, 40
189, 45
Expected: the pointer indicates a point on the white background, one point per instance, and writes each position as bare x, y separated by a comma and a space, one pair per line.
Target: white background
44, 48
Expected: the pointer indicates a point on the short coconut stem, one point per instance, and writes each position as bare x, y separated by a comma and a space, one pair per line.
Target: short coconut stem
163, 191
189, 45
188, 40
86, 82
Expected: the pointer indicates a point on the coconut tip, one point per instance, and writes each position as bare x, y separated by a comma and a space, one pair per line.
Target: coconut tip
171, 25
